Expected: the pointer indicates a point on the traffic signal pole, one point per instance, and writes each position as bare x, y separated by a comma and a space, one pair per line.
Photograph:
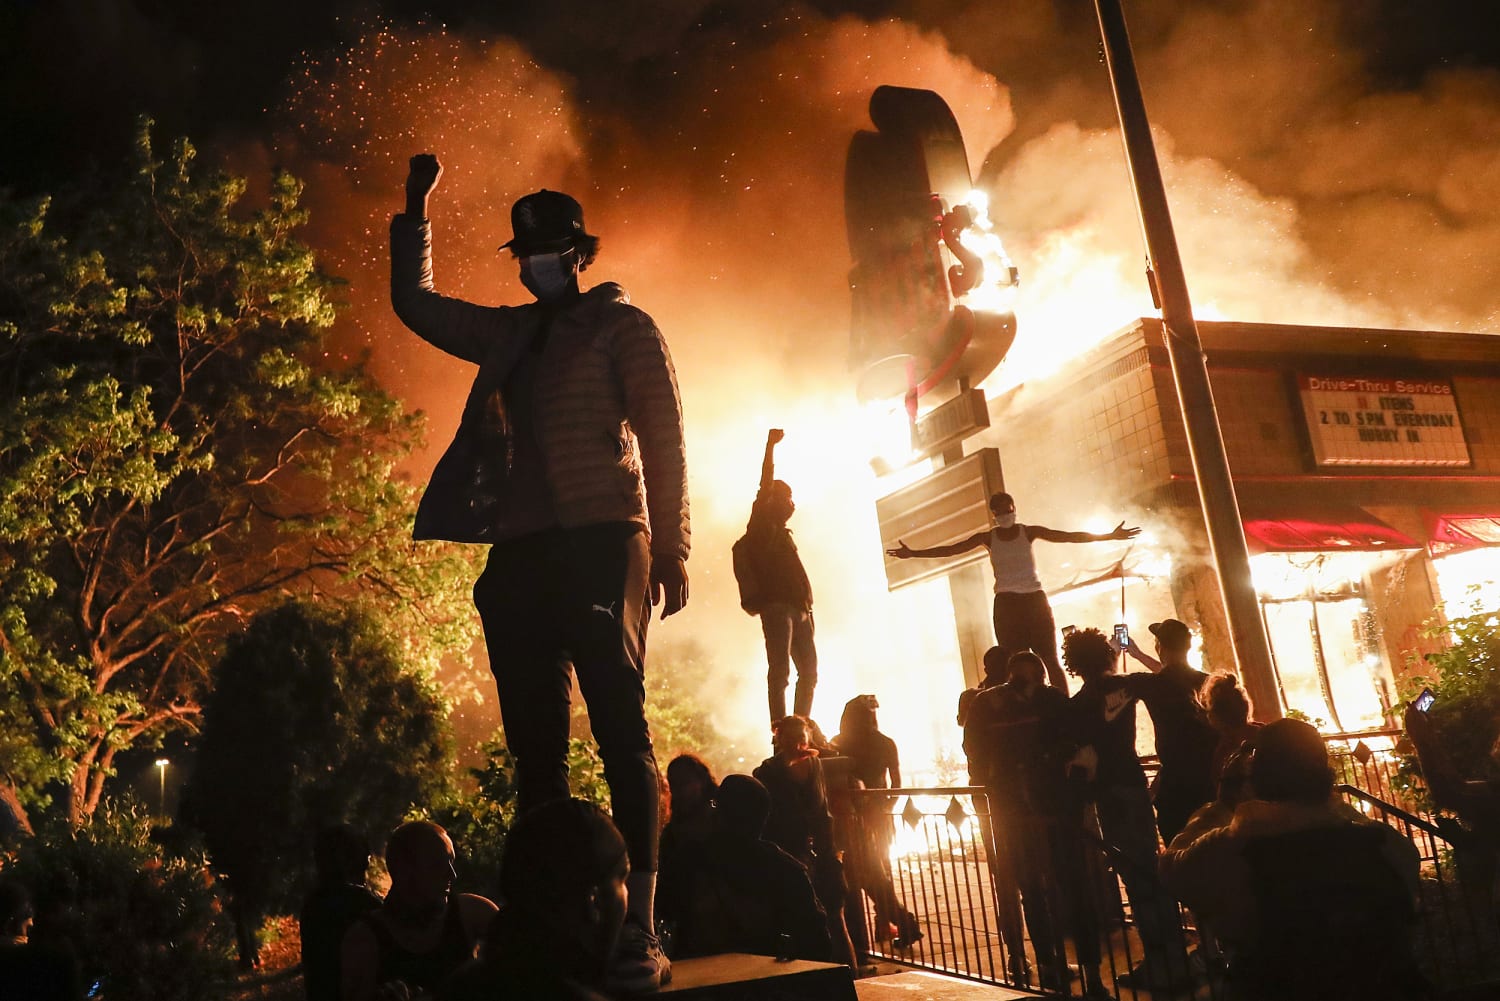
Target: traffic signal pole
1221, 511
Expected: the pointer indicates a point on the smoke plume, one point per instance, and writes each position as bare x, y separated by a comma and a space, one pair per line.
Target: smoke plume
709, 157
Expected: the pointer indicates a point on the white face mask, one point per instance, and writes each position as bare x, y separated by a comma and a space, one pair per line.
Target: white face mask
547, 276
1005, 520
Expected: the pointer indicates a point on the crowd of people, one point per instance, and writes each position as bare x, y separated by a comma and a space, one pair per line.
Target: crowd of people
569, 463
1295, 894
774, 863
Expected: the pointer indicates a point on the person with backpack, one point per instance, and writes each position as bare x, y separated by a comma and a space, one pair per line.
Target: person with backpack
774, 586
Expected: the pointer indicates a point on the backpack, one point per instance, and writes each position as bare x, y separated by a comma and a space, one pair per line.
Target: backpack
745, 574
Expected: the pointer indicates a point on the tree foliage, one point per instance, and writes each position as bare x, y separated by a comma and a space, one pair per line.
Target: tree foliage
176, 453
313, 721
1465, 678
145, 923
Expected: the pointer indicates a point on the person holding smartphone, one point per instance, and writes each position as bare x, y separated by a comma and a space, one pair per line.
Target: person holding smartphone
1023, 615
1185, 737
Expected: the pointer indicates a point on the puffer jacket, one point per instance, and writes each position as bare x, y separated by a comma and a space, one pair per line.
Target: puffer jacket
608, 416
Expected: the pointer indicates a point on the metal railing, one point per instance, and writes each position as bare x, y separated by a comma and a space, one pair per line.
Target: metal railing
1457, 940
1368, 760
938, 883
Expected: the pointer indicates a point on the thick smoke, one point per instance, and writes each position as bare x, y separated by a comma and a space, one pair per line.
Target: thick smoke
710, 159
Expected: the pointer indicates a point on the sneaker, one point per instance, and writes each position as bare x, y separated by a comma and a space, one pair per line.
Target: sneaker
1055, 978
640, 966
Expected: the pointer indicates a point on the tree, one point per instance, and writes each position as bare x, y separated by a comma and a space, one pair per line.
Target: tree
144, 921
174, 455
313, 721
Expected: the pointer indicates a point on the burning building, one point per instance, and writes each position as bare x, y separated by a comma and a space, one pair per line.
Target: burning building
1367, 463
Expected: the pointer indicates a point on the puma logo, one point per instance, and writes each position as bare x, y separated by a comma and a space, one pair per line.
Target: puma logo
610, 611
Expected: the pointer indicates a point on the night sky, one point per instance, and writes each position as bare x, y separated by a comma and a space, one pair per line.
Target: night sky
1330, 161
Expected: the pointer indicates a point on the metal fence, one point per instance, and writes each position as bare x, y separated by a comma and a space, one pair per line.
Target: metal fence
938, 883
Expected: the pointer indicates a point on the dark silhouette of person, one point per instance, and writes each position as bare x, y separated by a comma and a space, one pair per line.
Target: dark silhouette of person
29, 971
1103, 722
1228, 709
562, 889
1312, 899
422, 933
994, 661
801, 824
750, 896
1185, 739
774, 586
569, 461
340, 897
1023, 616
1020, 743
692, 792
875, 763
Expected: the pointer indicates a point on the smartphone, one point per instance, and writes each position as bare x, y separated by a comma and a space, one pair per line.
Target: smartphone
1069, 630
1425, 700
1122, 635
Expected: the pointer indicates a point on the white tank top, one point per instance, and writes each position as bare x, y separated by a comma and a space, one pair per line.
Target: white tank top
1014, 566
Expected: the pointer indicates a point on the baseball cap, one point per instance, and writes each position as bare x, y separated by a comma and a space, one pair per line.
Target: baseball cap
544, 222
1171, 631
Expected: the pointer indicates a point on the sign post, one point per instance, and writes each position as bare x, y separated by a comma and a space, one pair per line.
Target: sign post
1221, 512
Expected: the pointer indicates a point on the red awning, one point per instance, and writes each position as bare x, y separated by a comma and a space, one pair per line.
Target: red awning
1323, 530
1463, 531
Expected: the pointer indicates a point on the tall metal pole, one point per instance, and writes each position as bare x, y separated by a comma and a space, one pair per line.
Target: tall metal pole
1221, 511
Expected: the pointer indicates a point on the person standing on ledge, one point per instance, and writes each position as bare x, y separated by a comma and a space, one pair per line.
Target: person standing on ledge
774, 585
569, 461
1023, 616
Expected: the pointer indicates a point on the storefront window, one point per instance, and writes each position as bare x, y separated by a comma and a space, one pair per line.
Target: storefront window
1322, 638
1469, 581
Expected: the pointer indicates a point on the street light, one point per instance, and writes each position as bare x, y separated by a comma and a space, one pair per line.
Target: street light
161, 798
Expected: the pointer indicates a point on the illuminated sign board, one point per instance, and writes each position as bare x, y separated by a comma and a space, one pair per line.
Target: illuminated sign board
1382, 421
946, 506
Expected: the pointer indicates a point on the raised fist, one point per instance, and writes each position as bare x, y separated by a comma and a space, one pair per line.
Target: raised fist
422, 176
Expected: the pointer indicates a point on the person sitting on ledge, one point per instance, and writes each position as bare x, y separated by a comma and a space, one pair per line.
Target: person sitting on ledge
422, 932
562, 889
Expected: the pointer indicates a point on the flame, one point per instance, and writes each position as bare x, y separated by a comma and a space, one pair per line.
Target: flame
716, 218
996, 293
1469, 581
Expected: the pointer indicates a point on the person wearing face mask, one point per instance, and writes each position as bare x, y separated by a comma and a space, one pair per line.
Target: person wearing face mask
1023, 616
569, 462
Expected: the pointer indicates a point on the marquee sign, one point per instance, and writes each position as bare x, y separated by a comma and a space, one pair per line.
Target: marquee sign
1382, 421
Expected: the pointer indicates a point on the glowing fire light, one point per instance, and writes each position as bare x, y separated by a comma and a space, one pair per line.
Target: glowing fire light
997, 292
912, 843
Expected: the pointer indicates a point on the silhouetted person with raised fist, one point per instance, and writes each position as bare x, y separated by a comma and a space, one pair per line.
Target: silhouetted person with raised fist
774, 585
569, 462
1023, 616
